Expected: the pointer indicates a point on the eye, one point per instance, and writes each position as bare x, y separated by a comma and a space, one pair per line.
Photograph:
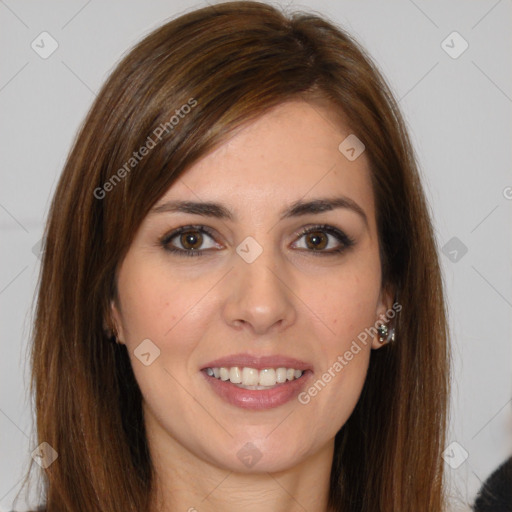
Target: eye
319, 238
190, 240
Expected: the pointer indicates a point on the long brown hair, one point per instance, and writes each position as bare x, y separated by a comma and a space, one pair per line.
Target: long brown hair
230, 63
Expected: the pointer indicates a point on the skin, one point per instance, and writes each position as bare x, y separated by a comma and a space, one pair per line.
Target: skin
290, 301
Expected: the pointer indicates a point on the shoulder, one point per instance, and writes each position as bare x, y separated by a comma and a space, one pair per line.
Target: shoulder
496, 492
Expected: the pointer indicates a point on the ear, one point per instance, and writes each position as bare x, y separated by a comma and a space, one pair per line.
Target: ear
113, 323
384, 305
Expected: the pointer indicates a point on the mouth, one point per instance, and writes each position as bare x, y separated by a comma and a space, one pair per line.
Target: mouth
252, 378
257, 383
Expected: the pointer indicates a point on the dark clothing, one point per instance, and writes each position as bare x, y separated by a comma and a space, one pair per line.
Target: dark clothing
496, 492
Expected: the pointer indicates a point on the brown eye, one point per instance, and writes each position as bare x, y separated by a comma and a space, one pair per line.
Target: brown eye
316, 240
191, 240
323, 240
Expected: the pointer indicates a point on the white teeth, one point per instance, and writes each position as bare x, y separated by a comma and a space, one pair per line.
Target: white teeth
267, 377
281, 375
235, 375
251, 378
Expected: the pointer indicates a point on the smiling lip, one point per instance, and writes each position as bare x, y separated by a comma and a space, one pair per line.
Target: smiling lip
258, 399
258, 362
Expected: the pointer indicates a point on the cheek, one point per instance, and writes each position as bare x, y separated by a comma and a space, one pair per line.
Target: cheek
153, 301
346, 351
350, 302
156, 306
166, 308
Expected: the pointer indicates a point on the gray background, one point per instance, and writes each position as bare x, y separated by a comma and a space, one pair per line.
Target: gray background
459, 114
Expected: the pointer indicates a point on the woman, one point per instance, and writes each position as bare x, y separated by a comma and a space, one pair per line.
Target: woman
240, 301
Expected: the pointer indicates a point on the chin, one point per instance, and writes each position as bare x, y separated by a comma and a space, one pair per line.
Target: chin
252, 455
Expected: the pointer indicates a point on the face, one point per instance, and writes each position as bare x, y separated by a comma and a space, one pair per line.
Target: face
242, 317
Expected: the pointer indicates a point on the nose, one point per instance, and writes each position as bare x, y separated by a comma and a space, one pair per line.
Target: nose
260, 298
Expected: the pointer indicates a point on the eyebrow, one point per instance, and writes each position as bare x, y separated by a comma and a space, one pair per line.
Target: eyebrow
296, 209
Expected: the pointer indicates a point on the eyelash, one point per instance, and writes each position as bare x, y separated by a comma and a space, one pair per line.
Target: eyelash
335, 232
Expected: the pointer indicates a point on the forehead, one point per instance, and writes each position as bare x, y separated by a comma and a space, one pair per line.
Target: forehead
291, 152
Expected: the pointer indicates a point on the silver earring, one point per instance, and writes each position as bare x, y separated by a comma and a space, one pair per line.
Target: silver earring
386, 335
